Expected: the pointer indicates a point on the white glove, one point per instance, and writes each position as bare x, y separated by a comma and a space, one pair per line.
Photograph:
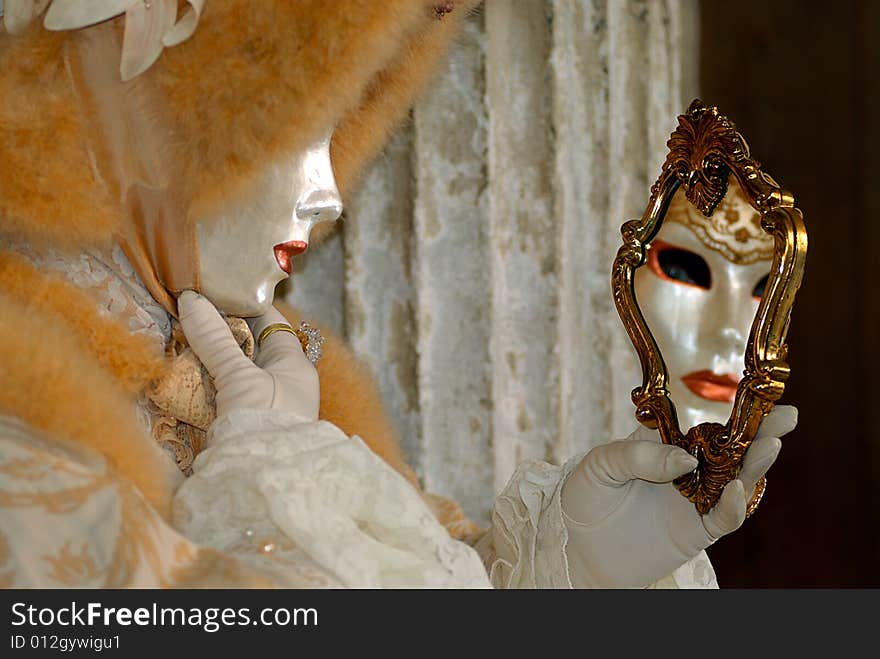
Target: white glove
629, 526
279, 378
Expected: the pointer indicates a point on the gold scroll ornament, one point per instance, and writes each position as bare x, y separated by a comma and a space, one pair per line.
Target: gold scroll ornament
704, 151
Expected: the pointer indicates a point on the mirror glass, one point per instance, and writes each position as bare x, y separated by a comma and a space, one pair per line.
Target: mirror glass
699, 294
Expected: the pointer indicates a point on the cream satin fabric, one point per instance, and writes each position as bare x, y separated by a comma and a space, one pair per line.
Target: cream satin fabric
128, 144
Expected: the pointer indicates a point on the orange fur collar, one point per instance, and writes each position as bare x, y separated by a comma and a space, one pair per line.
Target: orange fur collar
250, 84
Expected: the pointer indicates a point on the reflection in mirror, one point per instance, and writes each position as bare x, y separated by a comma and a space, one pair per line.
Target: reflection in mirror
699, 294
706, 156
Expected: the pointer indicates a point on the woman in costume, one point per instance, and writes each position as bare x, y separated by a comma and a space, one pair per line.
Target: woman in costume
166, 165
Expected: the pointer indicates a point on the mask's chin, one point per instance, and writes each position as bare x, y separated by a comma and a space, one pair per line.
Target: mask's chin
693, 410
242, 303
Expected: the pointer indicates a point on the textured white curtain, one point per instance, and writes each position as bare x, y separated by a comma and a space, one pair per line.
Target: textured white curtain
473, 269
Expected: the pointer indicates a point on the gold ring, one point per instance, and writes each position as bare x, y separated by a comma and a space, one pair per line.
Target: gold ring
760, 487
271, 329
309, 337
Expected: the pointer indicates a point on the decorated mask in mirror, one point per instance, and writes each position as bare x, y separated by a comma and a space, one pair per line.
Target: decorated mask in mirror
704, 283
248, 248
699, 294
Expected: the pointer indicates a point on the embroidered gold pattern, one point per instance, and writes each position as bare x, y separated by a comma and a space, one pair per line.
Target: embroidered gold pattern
40, 475
71, 568
733, 230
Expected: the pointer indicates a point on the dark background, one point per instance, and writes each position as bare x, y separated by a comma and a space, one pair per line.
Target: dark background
801, 82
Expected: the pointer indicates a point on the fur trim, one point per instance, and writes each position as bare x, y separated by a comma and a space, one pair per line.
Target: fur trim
131, 359
362, 134
255, 81
48, 192
387, 100
52, 380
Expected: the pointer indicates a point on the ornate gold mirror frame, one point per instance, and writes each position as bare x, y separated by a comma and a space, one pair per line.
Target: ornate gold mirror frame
704, 151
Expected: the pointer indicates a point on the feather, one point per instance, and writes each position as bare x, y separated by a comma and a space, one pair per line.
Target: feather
145, 25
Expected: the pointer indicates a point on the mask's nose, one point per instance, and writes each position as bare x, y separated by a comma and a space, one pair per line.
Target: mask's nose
321, 201
313, 210
320, 208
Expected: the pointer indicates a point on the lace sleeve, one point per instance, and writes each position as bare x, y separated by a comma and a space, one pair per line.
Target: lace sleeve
526, 546
285, 489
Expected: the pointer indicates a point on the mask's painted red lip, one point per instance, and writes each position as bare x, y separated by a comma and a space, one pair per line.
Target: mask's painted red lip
711, 386
286, 251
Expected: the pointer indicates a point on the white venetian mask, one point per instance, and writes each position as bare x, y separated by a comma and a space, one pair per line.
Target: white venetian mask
699, 295
246, 250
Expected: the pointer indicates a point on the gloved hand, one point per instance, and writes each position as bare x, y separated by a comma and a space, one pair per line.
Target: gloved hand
279, 378
630, 527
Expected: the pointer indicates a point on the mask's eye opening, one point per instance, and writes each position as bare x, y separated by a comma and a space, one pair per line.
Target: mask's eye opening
758, 291
679, 265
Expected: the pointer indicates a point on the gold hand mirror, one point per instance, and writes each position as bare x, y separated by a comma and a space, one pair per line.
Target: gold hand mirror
708, 159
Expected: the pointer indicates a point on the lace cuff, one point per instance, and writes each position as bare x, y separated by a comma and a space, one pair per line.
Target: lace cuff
529, 535
528, 531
